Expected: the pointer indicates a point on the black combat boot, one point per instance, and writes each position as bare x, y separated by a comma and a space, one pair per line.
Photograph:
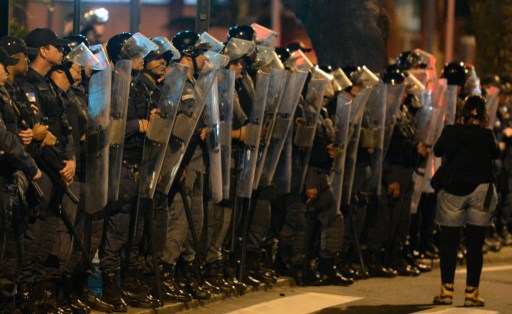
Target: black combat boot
255, 270
189, 283
81, 287
329, 276
112, 292
135, 292
214, 275
174, 293
230, 277
376, 269
48, 302
70, 297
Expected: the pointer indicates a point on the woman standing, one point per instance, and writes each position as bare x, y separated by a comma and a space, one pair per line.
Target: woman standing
467, 198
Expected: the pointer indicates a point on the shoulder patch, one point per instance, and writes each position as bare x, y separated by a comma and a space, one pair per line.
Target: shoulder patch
31, 96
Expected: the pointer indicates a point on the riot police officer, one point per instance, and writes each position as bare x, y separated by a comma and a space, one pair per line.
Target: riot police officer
189, 179
17, 166
55, 148
125, 211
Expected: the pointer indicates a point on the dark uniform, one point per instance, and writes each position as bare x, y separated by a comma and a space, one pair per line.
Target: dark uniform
17, 166
41, 261
113, 248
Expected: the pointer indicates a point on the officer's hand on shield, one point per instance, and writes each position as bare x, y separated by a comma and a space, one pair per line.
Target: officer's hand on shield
311, 195
394, 189
38, 175
154, 113
243, 132
143, 125
26, 136
203, 132
39, 131
423, 150
49, 140
183, 175
68, 172
332, 150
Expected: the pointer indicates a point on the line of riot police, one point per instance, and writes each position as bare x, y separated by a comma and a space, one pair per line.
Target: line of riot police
194, 167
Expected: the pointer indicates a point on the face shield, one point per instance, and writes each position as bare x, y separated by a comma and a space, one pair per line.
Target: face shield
264, 36
299, 62
341, 79
413, 85
82, 55
214, 60
137, 46
101, 56
319, 74
215, 45
237, 48
366, 77
276, 62
264, 57
164, 45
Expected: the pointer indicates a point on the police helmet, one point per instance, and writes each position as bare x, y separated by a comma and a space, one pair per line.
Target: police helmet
245, 32
408, 60
393, 74
456, 73
115, 45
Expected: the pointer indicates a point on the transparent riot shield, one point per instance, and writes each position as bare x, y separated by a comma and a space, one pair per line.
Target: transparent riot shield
118, 111
101, 56
492, 98
372, 136
211, 119
283, 175
275, 92
350, 162
253, 137
354, 133
429, 121
305, 130
226, 87
341, 126
284, 119
187, 118
97, 141
393, 100
159, 131
450, 105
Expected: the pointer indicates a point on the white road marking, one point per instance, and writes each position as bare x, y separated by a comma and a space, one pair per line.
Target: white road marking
457, 310
298, 304
487, 269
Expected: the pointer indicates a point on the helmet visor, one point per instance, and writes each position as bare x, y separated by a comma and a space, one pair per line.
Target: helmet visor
215, 45
137, 46
101, 56
237, 48
82, 55
264, 57
165, 45
341, 79
264, 36
299, 62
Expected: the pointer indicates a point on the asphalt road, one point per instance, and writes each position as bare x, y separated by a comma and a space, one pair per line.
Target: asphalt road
398, 295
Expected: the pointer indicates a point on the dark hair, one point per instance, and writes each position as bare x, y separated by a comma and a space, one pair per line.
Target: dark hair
478, 103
